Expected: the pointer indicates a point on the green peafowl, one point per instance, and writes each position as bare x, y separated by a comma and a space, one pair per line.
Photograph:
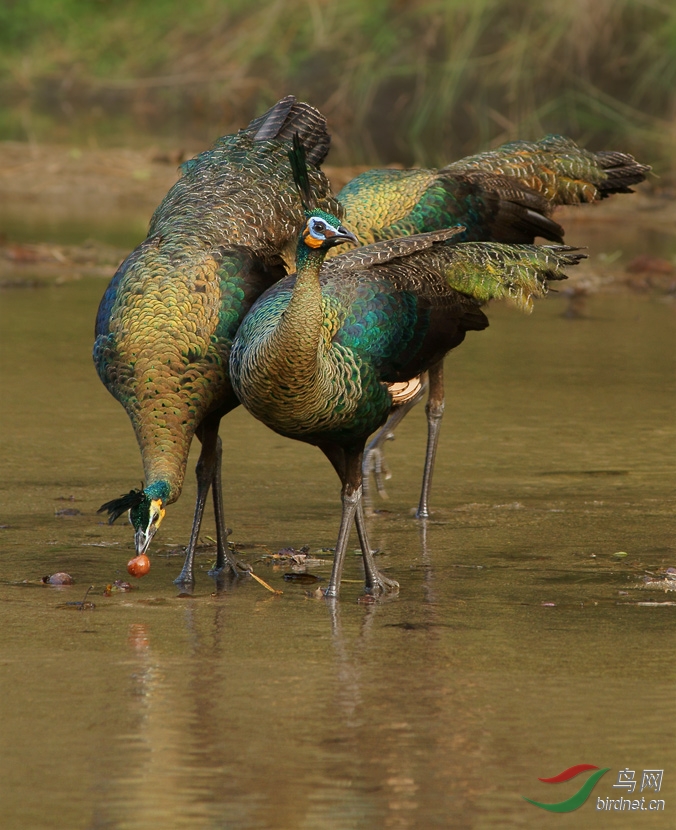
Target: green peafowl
166, 322
316, 357
503, 195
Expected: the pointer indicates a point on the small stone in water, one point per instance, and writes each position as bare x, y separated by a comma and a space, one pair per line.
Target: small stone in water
60, 578
139, 565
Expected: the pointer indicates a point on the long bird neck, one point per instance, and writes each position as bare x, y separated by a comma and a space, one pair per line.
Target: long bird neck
164, 435
299, 332
165, 473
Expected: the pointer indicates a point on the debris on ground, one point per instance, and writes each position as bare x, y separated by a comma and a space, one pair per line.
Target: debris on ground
665, 581
60, 578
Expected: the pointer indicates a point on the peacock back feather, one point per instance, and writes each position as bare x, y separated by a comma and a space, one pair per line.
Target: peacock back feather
219, 238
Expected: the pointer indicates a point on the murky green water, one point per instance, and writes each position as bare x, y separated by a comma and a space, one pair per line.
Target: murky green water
516, 648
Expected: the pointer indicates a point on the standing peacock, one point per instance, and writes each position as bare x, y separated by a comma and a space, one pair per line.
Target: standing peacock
167, 320
503, 195
316, 357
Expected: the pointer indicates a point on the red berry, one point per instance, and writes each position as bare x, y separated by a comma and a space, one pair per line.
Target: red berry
139, 565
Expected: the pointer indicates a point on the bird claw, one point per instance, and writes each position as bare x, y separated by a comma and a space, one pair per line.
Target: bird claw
382, 585
232, 565
185, 580
238, 567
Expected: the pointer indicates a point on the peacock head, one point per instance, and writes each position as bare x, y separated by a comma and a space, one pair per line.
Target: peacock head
322, 231
146, 511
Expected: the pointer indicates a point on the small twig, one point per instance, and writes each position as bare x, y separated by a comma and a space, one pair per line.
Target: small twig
264, 583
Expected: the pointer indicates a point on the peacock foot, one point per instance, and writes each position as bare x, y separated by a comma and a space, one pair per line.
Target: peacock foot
381, 585
232, 565
185, 579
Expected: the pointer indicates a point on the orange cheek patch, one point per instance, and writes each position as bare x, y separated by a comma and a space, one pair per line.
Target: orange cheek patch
311, 241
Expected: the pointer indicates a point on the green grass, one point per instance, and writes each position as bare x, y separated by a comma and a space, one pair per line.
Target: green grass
411, 81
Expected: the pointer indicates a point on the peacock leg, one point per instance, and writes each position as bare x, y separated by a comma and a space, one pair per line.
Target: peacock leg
207, 432
435, 412
374, 459
223, 552
348, 465
208, 435
375, 581
350, 499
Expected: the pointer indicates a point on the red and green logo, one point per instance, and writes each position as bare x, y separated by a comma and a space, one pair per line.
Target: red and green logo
579, 798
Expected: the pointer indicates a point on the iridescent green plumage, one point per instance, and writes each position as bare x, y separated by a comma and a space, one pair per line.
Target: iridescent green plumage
314, 357
503, 195
376, 320
165, 325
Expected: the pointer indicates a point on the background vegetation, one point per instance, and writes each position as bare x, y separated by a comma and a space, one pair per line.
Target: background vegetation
410, 81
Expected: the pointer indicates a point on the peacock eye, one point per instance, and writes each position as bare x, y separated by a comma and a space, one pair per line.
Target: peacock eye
318, 227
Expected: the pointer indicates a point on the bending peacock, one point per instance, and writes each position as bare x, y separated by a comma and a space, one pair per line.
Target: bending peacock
503, 195
317, 356
166, 322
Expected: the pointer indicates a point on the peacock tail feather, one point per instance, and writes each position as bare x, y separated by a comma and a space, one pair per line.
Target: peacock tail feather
503, 195
556, 167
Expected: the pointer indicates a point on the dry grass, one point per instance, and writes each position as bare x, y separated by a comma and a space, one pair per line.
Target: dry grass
422, 81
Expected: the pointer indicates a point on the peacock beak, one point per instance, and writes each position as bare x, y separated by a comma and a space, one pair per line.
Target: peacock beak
144, 535
142, 539
344, 235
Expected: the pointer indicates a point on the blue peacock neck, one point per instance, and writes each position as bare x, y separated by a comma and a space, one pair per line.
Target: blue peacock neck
158, 490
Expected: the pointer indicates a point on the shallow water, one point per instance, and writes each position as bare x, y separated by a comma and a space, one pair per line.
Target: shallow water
516, 648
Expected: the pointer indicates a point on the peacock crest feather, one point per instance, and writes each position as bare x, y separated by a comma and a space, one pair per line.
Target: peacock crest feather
299, 169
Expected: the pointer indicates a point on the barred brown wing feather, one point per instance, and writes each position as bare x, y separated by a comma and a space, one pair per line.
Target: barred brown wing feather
558, 169
268, 125
289, 117
388, 250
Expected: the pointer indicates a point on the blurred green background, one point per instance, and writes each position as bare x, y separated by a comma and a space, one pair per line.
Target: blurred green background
423, 81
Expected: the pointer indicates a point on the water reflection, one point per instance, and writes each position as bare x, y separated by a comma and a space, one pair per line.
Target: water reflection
192, 757
515, 648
